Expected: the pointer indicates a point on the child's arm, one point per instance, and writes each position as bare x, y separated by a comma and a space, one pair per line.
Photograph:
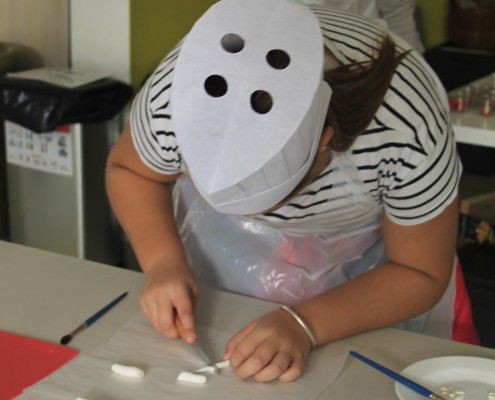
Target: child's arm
422, 258
141, 200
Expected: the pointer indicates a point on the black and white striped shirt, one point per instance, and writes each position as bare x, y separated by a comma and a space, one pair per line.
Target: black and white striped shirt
404, 164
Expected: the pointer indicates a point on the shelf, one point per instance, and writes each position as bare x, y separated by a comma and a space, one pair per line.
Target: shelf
470, 127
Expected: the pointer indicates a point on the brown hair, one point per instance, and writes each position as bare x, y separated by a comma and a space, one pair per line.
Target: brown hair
358, 90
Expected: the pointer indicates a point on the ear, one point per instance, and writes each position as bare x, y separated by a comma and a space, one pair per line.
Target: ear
326, 136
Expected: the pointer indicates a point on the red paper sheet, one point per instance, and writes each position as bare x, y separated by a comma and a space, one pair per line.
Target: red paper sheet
24, 361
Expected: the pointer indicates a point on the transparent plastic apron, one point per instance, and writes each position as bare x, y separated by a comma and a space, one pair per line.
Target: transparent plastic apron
252, 257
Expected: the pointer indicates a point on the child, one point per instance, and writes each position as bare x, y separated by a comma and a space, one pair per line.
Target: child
315, 166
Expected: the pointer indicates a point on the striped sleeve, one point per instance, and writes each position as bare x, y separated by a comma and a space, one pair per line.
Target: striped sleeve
151, 122
428, 188
429, 173
407, 157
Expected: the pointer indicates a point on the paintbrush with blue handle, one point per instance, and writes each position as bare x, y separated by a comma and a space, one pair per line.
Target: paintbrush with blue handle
398, 377
91, 320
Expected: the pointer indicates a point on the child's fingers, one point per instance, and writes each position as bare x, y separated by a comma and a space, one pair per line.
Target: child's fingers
266, 360
184, 323
294, 371
278, 366
234, 342
251, 357
270, 348
149, 306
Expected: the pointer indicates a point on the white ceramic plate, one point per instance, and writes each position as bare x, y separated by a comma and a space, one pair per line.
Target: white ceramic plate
476, 376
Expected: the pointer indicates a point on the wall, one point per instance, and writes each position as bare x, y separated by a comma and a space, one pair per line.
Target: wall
40, 26
146, 29
129, 37
434, 15
157, 26
100, 37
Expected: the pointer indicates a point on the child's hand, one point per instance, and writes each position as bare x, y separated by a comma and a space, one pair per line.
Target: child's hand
169, 291
272, 347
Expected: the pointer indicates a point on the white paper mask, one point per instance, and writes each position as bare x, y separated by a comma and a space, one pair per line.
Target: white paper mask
244, 160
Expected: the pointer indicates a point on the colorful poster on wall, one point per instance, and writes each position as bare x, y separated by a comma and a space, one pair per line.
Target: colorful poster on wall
49, 152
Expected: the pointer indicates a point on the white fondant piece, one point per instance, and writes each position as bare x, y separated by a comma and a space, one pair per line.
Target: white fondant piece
190, 377
219, 365
452, 392
127, 371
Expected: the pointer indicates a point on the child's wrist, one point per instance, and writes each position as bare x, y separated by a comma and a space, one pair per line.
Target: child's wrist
303, 324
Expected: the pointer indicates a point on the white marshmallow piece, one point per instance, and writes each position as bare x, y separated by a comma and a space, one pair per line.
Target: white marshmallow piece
127, 371
452, 392
190, 377
209, 368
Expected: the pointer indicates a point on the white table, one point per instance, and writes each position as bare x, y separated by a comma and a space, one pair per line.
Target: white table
44, 295
470, 127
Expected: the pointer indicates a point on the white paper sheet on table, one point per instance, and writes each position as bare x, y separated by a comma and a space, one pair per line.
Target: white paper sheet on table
136, 343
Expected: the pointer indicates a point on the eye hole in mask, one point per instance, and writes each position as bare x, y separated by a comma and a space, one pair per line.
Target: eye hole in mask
216, 86
261, 102
278, 59
232, 43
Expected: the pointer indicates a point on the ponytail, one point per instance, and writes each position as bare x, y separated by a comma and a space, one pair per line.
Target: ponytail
358, 90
